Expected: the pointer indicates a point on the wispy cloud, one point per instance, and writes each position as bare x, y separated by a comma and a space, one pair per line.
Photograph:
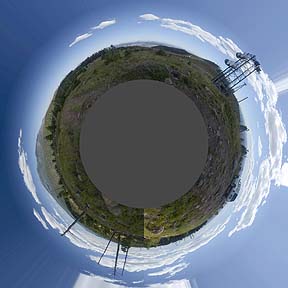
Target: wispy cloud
184, 283
254, 198
149, 17
100, 26
159, 261
224, 45
40, 219
88, 281
162, 260
25, 170
80, 38
270, 169
170, 270
259, 147
53, 221
104, 24
281, 83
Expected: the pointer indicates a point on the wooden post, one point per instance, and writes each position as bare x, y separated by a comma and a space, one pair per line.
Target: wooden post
127, 248
106, 247
242, 99
74, 222
117, 254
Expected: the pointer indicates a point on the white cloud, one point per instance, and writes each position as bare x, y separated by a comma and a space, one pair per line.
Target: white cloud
224, 45
161, 259
40, 219
78, 235
255, 198
259, 147
91, 281
84, 36
184, 283
267, 95
149, 17
138, 282
25, 170
86, 281
277, 137
53, 221
104, 24
80, 38
283, 177
270, 167
164, 258
282, 84
170, 270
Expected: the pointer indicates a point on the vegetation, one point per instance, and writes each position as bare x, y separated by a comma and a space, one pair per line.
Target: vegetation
64, 174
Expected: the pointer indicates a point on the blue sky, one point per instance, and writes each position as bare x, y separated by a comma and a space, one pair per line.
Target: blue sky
36, 55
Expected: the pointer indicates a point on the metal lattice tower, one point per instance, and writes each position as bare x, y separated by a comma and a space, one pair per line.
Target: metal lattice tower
231, 79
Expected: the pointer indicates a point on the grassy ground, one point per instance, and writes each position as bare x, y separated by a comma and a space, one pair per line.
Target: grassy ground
61, 133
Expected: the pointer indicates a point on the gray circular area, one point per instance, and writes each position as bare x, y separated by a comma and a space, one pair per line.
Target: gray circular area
143, 144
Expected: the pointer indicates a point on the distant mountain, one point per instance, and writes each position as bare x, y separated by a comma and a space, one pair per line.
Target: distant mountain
143, 44
154, 44
173, 50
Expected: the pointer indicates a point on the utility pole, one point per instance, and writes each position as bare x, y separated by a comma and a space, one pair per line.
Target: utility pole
106, 247
242, 99
125, 249
117, 254
76, 220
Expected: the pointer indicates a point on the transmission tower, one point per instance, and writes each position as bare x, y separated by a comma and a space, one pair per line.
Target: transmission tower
231, 79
